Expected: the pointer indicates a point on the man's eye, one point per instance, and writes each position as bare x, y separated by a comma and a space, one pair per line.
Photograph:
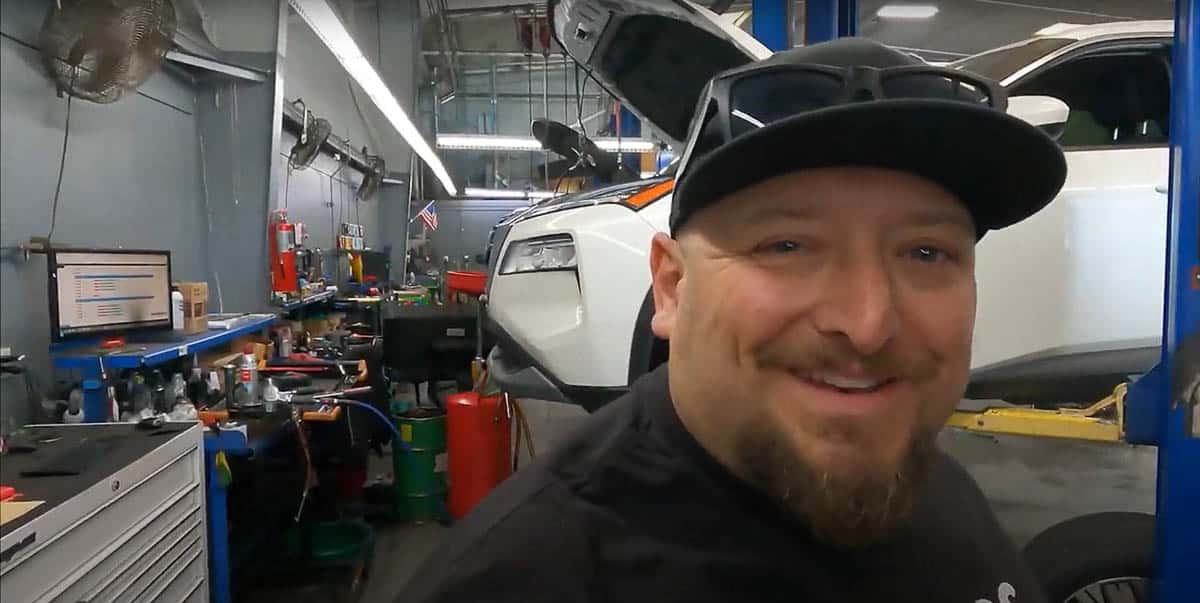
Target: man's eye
780, 247
928, 254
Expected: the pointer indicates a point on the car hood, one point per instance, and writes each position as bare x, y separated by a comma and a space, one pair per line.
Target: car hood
654, 55
584, 199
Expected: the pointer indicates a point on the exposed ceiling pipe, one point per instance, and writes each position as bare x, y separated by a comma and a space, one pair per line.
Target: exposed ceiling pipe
525, 96
438, 13
513, 68
530, 10
515, 54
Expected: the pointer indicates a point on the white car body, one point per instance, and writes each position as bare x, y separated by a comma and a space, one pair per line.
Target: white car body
1080, 282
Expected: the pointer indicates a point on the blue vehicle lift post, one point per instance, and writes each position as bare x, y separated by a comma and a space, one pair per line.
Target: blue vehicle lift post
1177, 558
1177, 539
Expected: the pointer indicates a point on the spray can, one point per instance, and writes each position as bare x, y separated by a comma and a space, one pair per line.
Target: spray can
247, 376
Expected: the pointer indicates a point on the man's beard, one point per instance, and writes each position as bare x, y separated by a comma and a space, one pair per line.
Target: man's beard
845, 511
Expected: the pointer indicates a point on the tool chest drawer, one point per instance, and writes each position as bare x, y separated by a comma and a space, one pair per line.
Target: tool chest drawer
124, 535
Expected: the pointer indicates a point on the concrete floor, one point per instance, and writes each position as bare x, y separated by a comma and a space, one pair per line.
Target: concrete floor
1031, 483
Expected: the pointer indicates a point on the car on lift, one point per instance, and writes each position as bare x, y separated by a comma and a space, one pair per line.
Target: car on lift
1070, 300
569, 293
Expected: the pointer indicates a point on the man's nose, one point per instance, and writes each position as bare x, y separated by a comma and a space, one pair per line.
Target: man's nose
859, 305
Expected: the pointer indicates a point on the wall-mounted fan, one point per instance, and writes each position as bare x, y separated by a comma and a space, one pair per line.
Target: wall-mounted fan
376, 169
99, 50
313, 134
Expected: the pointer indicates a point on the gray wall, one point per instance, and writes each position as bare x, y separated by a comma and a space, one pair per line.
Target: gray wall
183, 164
463, 226
386, 33
131, 176
322, 197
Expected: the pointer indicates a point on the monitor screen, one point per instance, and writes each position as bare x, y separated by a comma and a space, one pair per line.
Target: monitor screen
101, 291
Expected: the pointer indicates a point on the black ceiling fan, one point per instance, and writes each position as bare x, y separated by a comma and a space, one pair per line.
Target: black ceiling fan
582, 158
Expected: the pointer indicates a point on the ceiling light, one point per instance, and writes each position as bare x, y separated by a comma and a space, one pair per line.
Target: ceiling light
504, 193
626, 145
907, 11
485, 142
325, 23
481, 142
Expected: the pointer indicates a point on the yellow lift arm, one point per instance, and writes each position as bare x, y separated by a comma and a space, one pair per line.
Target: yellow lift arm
1103, 421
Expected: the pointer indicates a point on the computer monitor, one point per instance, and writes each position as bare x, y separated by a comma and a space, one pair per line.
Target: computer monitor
98, 291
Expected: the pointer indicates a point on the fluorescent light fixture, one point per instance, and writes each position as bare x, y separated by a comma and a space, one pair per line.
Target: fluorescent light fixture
484, 142
627, 145
324, 22
906, 11
505, 193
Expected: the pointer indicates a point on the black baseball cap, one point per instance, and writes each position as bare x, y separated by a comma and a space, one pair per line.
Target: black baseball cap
856, 102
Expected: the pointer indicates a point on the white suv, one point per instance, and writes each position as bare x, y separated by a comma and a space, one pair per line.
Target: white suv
1070, 301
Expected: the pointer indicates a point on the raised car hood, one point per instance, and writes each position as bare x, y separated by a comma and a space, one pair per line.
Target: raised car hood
654, 55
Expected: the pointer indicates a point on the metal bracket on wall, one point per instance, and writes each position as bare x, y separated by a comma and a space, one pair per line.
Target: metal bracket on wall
215, 66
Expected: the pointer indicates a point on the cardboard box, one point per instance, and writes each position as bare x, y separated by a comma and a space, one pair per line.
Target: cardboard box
193, 292
195, 306
192, 326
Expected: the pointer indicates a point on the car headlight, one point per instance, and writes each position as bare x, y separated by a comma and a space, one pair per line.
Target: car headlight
554, 252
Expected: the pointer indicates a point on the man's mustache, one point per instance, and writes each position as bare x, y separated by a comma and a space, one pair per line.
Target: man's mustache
822, 353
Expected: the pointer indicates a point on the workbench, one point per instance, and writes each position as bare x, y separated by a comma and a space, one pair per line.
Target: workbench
140, 352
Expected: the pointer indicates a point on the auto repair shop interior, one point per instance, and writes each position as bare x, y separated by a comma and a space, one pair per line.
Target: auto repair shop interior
289, 286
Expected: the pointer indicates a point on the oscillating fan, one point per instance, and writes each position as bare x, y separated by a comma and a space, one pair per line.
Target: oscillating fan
99, 50
315, 132
583, 157
376, 168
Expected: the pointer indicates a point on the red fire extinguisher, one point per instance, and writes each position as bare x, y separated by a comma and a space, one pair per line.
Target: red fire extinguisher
479, 444
282, 242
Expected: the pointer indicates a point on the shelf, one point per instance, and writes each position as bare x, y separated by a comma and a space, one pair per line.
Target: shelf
148, 353
308, 301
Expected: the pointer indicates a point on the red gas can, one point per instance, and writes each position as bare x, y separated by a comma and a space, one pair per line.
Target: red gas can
479, 446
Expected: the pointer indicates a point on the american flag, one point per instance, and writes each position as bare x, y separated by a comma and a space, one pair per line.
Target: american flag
429, 216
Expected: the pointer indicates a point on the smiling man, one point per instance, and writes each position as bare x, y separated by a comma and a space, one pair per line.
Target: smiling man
818, 294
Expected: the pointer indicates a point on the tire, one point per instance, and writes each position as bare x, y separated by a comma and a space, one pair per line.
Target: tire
1089, 550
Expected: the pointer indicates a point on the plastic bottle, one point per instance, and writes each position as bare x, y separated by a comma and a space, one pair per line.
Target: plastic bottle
178, 389
177, 310
270, 394
74, 412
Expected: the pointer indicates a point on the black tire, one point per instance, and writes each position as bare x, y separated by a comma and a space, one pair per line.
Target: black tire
1090, 549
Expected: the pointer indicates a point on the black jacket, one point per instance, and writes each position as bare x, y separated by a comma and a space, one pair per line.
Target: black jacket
630, 508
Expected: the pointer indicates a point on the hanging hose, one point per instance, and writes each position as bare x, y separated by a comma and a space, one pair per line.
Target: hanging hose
522, 430
525, 430
382, 417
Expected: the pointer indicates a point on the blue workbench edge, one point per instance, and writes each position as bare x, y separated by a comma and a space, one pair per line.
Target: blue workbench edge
158, 353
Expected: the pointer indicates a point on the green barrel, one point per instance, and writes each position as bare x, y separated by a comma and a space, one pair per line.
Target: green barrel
420, 474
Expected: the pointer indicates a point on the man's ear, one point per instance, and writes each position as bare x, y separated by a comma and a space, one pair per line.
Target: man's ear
666, 272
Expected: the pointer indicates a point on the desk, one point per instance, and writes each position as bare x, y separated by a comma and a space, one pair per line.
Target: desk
94, 364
